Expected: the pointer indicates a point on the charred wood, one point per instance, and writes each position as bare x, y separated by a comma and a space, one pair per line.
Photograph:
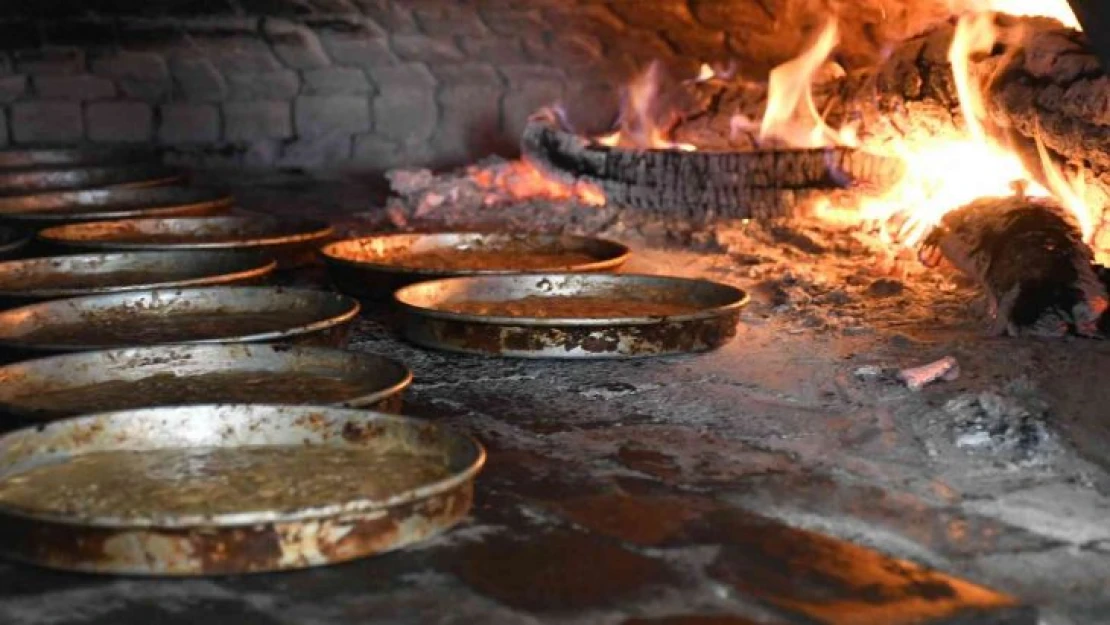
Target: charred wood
1042, 82
734, 184
1029, 257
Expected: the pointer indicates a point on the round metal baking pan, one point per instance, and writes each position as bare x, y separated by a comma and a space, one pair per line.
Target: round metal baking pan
13, 241
376, 266
31, 181
61, 157
258, 536
291, 243
46, 209
706, 318
176, 375
55, 277
229, 314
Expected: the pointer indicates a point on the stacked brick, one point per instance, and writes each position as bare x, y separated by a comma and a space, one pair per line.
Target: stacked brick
375, 83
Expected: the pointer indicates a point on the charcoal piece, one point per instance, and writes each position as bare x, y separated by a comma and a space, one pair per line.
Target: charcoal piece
697, 184
1029, 256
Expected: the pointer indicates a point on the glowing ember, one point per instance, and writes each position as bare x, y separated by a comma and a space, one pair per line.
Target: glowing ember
521, 181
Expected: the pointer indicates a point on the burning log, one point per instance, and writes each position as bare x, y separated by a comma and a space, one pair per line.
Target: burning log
1040, 83
701, 184
1053, 90
1030, 258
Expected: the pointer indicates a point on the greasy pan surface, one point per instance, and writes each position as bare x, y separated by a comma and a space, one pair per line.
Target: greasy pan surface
271, 527
165, 316
44, 180
136, 377
571, 315
54, 277
376, 266
113, 203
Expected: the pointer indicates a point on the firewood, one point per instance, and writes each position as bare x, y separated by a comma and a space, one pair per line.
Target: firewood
1042, 82
1029, 256
735, 184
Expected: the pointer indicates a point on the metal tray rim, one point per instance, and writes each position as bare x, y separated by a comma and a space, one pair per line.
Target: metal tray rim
263, 267
241, 519
353, 310
331, 257
159, 175
742, 298
405, 377
217, 201
316, 229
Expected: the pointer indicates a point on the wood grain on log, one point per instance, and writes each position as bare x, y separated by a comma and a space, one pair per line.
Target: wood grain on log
736, 184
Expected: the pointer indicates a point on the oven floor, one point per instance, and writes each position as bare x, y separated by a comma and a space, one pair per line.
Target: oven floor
622, 492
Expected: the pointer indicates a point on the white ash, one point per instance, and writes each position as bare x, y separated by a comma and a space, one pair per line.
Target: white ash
1009, 426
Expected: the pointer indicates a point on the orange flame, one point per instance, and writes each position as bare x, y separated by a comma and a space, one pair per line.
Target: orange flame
1056, 9
520, 180
791, 116
639, 127
944, 173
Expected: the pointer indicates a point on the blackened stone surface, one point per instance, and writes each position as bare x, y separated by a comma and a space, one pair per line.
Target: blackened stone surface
620, 492
559, 571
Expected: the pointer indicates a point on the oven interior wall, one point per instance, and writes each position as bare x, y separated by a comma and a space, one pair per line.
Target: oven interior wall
376, 83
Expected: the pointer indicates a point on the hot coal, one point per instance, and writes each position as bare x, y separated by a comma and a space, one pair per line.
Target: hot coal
1029, 256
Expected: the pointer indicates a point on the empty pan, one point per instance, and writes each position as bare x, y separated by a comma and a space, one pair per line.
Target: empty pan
69, 157
231, 314
30, 181
173, 375
56, 277
216, 490
376, 266
47, 209
292, 242
571, 315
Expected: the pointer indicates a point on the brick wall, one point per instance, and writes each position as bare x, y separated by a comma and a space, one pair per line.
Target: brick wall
369, 83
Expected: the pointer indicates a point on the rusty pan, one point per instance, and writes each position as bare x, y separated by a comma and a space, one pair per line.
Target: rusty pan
288, 515
47, 209
175, 375
229, 314
68, 157
52, 179
291, 242
571, 315
55, 277
374, 267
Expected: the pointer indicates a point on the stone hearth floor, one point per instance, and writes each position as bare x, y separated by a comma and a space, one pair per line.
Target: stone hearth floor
621, 492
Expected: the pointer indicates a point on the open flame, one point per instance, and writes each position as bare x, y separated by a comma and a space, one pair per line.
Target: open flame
791, 116
944, 173
639, 125
1056, 9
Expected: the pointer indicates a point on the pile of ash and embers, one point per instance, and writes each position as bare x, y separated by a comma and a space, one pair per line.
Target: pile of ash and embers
1024, 255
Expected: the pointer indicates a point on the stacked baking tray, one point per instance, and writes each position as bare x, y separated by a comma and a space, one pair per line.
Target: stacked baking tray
203, 417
